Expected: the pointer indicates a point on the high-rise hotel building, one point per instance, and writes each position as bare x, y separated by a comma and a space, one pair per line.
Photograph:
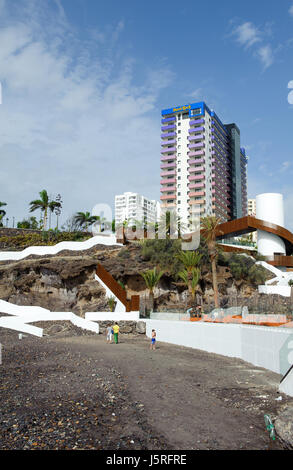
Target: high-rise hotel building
202, 164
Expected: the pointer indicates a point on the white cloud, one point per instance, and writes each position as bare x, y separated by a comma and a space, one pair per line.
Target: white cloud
247, 34
74, 119
266, 56
291, 10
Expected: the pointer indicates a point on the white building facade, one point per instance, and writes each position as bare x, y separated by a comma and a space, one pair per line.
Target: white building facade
133, 207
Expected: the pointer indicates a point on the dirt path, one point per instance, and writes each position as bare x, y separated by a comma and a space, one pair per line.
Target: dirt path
67, 392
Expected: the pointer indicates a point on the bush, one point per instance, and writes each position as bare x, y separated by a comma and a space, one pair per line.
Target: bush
41, 239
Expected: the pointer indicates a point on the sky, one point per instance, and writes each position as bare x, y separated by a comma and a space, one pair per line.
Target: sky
84, 83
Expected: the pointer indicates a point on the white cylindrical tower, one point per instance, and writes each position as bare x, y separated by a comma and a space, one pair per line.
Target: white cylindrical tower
270, 208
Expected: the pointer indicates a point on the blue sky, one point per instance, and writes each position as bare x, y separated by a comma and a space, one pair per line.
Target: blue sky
84, 81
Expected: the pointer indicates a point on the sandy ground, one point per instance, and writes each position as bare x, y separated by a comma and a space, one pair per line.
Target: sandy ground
67, 391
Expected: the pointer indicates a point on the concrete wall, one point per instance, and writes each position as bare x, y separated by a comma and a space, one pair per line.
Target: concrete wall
261, 346
280, 290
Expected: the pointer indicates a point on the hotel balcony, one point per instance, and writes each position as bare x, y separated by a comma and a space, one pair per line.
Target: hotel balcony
168, 165
197, 201
195, 169
195, 194
192, 162
196, 185
195, 146
163, 198
196, 137
171, 188
167, 128
196, 153
169, 150
168, 173
168, 142
196, 177
168, 157
196, 121
168, 181
168, 134
170, 119
196, 129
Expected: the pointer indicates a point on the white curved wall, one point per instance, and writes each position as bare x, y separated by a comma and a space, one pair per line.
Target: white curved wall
270, 208
52, 250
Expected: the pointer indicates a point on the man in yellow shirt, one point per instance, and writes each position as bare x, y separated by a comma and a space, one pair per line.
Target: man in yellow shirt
116, 331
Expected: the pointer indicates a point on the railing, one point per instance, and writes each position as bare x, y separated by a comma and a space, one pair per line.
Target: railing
132, 304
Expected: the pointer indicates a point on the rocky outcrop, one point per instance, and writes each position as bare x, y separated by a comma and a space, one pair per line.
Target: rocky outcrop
284, 426
126, 327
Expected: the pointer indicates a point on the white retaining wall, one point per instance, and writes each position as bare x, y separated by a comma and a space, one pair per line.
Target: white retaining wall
53, 250
260, 346
112, 316
21, 315
285, 291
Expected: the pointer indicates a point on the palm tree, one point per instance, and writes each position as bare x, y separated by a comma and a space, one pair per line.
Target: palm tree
190, 260
170, 224
190, 282
2, 212
53, 205
43, 204
85, 219
151, 278
209, 231
111, 302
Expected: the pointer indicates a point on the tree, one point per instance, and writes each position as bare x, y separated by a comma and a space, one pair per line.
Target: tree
170, 224
209, 231
190, 260
111, 302
53, 206
190, 279
43, 204
30, 223
58, 208
85, 219
152, 278
2, 212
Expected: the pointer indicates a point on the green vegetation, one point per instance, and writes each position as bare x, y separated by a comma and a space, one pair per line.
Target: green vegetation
111, 302
44, 204
85, 219
2, 212
30, 223
41, 239
152, 278
244, 267
190, 279
209, 227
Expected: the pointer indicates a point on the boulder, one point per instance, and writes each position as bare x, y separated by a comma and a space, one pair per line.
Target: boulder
141, 327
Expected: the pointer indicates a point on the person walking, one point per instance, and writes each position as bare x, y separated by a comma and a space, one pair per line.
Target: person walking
116, 332
109, 332
153, 340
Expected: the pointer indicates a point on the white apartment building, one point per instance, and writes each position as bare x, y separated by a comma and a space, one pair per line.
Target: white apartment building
133, 206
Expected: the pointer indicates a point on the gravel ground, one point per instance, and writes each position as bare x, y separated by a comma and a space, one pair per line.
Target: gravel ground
70, 390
